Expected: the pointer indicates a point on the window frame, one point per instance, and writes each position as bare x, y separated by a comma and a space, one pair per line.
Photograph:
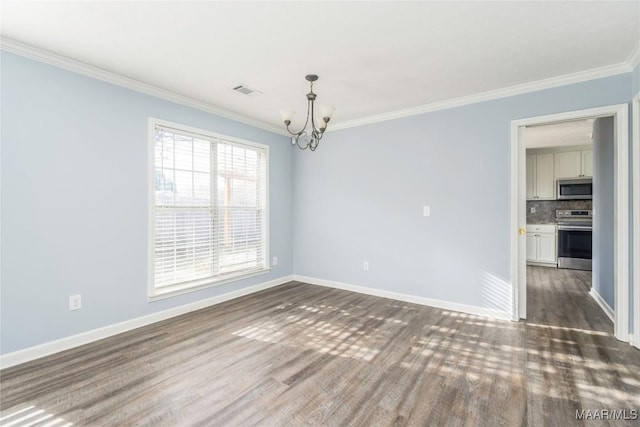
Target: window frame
153, 293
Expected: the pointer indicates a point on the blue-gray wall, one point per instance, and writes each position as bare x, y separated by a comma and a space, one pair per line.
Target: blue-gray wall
74, 201
603, 207
360, 196
74, 158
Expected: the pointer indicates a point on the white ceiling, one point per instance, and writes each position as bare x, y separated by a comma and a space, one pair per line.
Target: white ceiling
575, 132
372, 57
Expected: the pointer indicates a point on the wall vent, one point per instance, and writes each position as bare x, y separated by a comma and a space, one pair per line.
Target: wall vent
246, 90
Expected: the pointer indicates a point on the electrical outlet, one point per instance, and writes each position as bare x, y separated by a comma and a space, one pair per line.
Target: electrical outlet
533, 209
75, 302
275, 261
365, 266
426, 211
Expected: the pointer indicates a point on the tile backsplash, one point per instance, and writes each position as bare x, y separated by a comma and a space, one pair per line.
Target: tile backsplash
546, 209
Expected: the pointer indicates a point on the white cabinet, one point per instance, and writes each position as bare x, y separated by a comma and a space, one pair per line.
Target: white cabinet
540, 178
573, 164
531, 177
541, 244
587, 163
547, 247
532, 246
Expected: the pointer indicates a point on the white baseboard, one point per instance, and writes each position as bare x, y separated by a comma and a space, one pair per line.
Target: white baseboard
603, 304
46, 349
446, 305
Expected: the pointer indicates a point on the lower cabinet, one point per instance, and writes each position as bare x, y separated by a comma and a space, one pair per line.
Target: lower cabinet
542, 244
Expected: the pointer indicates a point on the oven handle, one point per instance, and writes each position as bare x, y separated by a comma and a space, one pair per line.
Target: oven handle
575, 228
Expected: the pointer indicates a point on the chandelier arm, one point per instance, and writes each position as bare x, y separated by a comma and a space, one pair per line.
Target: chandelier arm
313, 120
309, 105
315, 128
294, 133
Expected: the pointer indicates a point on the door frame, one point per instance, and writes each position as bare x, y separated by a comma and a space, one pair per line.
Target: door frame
620, 113
635, 112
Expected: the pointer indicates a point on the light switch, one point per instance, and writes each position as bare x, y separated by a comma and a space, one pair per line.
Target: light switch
75, 302
426, 210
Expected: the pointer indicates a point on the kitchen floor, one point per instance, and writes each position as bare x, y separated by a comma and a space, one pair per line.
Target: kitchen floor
560, 297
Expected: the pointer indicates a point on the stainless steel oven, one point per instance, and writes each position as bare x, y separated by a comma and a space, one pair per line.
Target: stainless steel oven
575, 237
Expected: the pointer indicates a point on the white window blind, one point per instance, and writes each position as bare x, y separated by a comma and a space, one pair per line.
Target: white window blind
209, 209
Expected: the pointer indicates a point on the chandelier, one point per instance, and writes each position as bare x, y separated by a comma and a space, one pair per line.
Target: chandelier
303, 139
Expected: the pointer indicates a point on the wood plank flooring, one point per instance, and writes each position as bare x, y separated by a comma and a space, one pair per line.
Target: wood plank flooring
301, 354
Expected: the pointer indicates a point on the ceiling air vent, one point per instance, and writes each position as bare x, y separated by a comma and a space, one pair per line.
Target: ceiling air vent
246, 90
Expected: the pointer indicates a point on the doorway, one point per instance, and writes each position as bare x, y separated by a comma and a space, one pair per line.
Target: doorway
567, 285
619, 113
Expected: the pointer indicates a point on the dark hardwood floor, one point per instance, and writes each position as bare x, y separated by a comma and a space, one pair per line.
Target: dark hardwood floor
301, 354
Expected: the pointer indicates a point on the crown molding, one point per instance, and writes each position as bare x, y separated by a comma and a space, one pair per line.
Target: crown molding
60, 61
634, 57
582, 76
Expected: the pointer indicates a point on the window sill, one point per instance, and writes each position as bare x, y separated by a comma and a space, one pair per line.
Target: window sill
196, 286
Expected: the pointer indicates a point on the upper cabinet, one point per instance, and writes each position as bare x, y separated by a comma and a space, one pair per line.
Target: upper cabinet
587, 163
544, 168
573, 164
540, 179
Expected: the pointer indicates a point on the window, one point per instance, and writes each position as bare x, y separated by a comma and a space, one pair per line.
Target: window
208, 209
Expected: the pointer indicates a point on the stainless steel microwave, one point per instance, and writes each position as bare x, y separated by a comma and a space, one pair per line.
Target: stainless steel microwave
575, 189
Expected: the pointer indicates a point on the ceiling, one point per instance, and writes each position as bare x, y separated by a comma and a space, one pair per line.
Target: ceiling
373, 58
575, 132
